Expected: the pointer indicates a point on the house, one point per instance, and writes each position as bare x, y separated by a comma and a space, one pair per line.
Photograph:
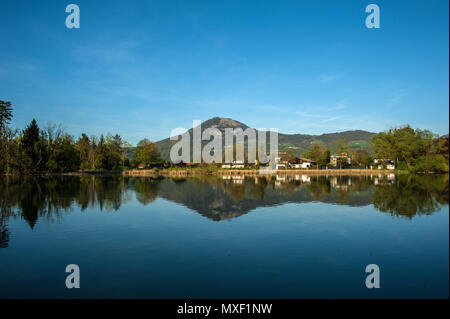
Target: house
306, 163
141, 166
338, 159
234, 164
279, 163
381, 163
301, 162
238, 164
390, 166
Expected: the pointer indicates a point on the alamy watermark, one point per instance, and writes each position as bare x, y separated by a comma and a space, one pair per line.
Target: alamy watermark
73, 19
223, 149
73, 279
373, 19
373, 279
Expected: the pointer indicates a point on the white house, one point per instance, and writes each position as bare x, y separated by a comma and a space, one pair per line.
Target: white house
343, 157
301, 162
234, 164
306, 164
381, 162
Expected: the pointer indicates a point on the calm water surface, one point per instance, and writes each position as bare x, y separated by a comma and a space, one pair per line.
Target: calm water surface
287, 236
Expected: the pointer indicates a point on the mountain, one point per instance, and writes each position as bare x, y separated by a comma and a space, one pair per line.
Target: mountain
299, 143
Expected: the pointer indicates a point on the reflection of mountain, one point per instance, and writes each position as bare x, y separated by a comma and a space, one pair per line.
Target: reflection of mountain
217, 198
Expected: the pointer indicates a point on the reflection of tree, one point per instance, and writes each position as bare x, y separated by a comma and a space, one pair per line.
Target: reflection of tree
146, 189
412, 195
319, 188
109, 191
4, 233
235, 192
34, 199
255, 189
288, 187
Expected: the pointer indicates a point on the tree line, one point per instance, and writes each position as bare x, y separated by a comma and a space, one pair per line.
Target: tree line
49, 149
410, 149
320, 154
37, 150
413, 149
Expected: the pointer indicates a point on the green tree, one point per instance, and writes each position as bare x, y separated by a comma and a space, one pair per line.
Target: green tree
289, 156
126, 148
361, 158
114, 151
5, 114
146, 152
101, 160
341, 146
33, 146
84, 150
6, 136
319, 154
417, 148
67, 157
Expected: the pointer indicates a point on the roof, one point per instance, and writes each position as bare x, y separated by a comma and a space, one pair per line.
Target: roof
306, 160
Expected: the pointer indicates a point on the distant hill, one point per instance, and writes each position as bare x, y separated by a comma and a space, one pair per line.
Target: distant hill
299, 143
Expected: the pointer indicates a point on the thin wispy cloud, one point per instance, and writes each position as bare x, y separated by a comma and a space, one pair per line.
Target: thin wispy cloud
398, 96
329, 77
157, 68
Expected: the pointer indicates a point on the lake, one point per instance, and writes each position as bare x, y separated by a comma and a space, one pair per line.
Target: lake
286, 236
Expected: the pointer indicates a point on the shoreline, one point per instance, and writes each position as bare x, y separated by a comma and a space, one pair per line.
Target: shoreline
227, 172
256, 172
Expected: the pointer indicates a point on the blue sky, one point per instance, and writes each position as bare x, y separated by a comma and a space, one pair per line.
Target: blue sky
142, 68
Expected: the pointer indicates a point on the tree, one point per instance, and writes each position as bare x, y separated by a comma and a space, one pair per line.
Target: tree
289, 156
84, 150
66, 155
114, 151
52, 136
5, 114
146, 152
341, 146
6, 135
33, 146
325, 158
100, 154
126, 147
361, 157
9, 152
315, 153
413, 147
319, 154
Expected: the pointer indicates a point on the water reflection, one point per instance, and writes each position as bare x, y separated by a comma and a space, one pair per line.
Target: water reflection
217, 198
